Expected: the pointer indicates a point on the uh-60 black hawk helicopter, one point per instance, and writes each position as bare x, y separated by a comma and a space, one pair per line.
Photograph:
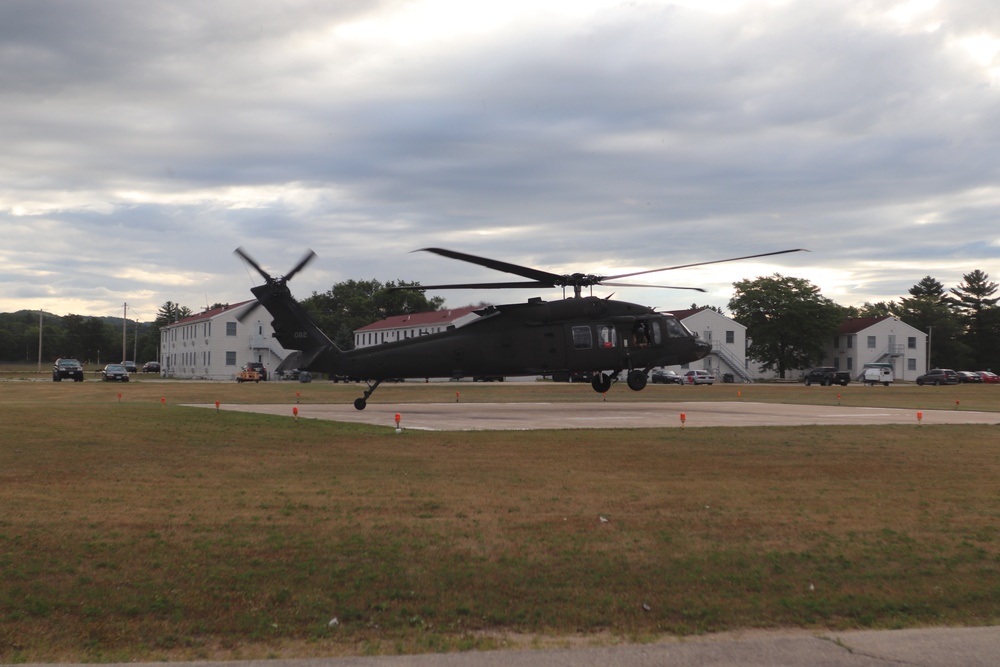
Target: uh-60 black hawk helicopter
580, 334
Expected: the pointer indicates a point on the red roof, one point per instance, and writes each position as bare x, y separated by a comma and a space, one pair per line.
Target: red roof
860, 324
208, 314
433, 318
684, 314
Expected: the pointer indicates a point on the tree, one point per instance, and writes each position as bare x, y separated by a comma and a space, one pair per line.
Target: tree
788, 322
878, 309
929, 309
974, 303
352, 304
171, 312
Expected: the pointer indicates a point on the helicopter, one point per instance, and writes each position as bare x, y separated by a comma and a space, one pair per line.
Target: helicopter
577, 334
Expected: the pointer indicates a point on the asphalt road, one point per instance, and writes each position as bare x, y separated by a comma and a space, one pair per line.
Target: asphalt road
933, 647
599, 414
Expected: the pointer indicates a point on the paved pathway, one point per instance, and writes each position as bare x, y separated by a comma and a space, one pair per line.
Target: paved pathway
599, 414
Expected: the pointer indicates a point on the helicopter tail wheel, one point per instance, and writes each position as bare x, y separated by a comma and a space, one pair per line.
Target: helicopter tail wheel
637, 380
601, 383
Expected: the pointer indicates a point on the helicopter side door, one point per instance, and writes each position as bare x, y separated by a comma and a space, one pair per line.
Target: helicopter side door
593, 347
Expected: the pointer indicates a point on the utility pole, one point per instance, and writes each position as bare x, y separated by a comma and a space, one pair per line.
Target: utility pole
40, 341
124, 322
930, 334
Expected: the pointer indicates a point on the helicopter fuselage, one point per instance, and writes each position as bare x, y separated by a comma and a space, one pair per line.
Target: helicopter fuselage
534, 338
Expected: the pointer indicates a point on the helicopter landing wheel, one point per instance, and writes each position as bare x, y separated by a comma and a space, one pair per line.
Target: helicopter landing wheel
360, 403
637, 380
601, 383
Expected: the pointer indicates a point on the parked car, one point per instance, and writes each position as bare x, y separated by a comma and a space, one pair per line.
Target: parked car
67, 369
938, 376
258, 367
151, 367
989, 377
130, 366
661, 376
969, 377
699, 377
827, 376
114, 373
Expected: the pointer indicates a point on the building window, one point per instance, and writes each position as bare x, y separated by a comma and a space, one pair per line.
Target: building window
850, 342
231, 329
871, 342
911, 364
730, 337
230, 358
911, 343
850, 363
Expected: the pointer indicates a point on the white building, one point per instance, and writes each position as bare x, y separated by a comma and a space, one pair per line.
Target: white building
729, 344
216, 344
885, 339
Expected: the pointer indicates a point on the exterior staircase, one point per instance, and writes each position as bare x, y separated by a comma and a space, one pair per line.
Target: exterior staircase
730, 360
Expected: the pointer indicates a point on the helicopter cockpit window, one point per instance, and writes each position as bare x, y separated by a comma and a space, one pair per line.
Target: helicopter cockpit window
582, 339
656, 337
606, 337
640, 333
675, 329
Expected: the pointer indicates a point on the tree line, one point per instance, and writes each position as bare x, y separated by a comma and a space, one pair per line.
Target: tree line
789, 322
92, 340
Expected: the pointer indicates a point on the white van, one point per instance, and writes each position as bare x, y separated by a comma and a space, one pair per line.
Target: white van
873, 374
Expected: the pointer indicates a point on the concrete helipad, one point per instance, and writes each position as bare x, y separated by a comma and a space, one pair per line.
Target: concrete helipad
532, 416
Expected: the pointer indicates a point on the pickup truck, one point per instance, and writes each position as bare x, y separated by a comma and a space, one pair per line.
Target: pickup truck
826, 376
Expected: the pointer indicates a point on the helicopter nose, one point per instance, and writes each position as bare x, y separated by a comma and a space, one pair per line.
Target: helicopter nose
702, 348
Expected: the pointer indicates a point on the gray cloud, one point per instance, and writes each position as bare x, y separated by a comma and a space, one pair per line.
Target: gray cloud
143, 144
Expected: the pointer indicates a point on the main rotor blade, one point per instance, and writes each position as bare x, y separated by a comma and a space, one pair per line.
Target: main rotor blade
497, 265
475, 286
717, 261
696, 289
309, 256
249, 260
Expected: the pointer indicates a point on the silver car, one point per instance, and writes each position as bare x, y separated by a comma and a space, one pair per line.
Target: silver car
698, 377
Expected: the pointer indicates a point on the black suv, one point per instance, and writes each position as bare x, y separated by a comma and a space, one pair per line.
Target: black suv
938, 376
67, 369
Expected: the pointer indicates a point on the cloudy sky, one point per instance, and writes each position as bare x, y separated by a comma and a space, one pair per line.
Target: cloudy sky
144, 142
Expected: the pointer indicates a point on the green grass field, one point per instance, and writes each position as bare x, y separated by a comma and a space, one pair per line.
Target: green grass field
134, 528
